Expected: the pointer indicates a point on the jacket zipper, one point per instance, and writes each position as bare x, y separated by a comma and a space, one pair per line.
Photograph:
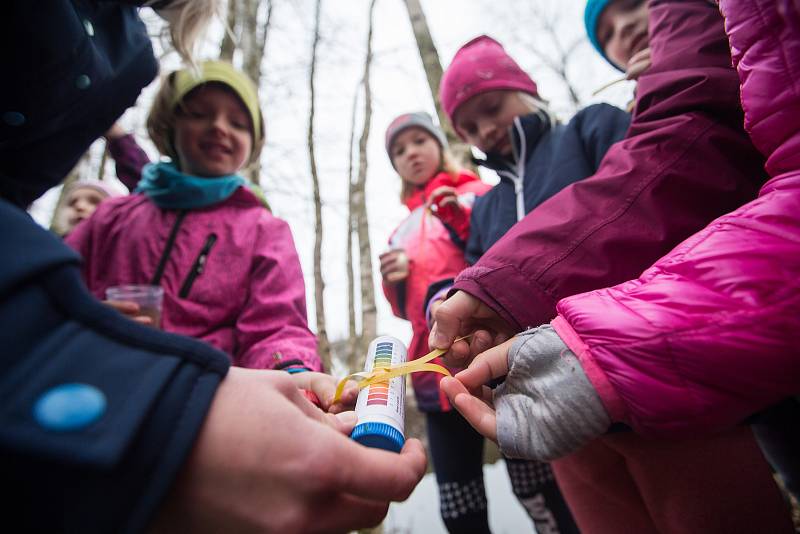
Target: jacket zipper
197, 266
517, 173
162, 263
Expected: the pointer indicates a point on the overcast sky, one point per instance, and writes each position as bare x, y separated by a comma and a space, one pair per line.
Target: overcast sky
399, 85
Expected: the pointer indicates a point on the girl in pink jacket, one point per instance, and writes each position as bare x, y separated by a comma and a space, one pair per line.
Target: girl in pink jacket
229, 269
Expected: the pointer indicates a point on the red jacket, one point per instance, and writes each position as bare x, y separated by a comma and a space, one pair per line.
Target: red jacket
708, 335
433, 256
686, 160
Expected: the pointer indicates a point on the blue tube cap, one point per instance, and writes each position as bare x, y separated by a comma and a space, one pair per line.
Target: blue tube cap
379, 436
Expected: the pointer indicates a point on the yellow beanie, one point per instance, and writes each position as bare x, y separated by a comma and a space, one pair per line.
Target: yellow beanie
222, 72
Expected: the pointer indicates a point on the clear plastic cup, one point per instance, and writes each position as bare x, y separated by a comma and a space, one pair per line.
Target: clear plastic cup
149, 298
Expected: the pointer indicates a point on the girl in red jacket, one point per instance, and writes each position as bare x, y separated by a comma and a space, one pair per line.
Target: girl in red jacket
426, 247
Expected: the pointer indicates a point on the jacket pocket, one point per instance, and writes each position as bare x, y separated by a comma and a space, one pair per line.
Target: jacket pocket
197, 266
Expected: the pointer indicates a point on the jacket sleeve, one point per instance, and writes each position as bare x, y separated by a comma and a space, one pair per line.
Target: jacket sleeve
602, 125
110, 472
396, 295
705, 337
272, 329
686, 160
129, 158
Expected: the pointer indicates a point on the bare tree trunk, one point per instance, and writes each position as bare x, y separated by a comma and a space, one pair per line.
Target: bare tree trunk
230, 38
352, 341
319, 283
101, 172
368, 309
433, 71
254, 41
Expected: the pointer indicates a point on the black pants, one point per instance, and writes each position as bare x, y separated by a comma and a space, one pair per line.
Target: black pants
457, 453
777, 431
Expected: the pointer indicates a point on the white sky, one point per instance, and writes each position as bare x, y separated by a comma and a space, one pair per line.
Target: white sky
398, 84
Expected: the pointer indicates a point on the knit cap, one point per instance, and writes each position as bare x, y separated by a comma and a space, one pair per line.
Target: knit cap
107, 188
225, 73
479, 66
591, 16
417, 119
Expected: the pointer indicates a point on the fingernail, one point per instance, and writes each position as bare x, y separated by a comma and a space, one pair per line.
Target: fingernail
347, 418
439, 340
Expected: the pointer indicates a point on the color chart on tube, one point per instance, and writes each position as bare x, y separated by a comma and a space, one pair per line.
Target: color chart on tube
379, 393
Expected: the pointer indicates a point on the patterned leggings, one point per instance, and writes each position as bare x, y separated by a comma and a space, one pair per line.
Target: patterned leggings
457, 453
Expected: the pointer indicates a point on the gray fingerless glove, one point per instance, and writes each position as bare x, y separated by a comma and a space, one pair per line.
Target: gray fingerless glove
546, 407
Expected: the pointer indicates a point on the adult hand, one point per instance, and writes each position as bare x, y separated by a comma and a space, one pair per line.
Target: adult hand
460, 315
638, 63
324, 387
267, 460
471, 397
131, 310
394, 265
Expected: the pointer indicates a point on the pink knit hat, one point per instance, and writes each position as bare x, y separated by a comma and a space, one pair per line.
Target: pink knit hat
480, 65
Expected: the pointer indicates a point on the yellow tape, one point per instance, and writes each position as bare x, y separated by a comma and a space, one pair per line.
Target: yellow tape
384, 374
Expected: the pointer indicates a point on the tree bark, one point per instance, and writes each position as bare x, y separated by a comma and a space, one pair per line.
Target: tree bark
433, 71
352, 340
319, 283
230, 38
368, 309
254, 43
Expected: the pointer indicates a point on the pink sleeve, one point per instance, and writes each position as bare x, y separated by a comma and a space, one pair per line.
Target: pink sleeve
272, 329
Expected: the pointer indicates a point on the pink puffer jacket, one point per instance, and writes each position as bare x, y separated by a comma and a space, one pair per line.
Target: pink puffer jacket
248, 299
708, 335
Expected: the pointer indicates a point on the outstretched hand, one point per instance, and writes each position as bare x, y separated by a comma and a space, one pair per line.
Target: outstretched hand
267, 460
469, 394
462, 315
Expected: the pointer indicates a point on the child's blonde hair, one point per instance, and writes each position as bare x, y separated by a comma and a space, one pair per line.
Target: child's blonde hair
188, 21
448, 164
169, 103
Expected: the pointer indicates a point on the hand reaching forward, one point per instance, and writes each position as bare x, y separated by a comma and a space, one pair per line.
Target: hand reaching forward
267, 460
461, 315
546, 407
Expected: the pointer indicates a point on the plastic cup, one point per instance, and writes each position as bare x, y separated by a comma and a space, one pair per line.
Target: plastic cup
149, 298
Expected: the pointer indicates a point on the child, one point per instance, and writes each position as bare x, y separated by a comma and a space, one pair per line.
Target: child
685, 161
495, 106
618, 30
79, 201
229, 269
424, 248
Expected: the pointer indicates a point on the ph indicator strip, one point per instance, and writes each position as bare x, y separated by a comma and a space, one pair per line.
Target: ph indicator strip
381, 406
379, 393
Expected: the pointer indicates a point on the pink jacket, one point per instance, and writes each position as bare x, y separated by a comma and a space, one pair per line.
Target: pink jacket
708, 335
249, 298
433, 256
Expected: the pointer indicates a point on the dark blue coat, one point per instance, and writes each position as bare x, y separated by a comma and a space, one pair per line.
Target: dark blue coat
546, 160
141, 395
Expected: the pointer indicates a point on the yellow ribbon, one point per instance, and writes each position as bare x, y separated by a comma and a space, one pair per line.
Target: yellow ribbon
384, 374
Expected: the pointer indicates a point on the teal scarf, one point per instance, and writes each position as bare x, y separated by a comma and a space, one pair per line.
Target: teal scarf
169, 188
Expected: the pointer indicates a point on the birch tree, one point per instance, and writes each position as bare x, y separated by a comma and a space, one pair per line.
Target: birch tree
359, 212
319, 283
433, 71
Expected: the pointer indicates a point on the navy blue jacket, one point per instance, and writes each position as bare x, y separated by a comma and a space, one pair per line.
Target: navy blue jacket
545, 160
108, 472
70, 69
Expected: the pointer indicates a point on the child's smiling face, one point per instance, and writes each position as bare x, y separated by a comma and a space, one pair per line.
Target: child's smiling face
484, 120
622, 30
213, 132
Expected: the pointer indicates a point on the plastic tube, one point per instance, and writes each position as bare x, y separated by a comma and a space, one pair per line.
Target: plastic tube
381, 407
